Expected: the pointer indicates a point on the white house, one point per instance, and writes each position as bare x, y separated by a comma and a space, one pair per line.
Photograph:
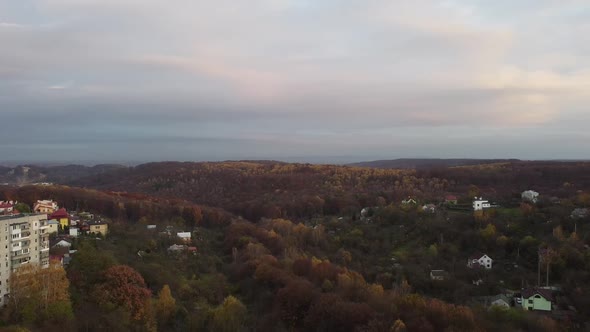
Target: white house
74, 231
480, 204
410, 200
480, 260
429, 208
438, 275
7, 207
530, 196
500, 300
53, 226
185, 236
63, 243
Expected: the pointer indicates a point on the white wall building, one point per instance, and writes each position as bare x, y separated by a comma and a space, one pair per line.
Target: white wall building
74, 231
185, 236
530, 196
480, 204
480, 260
24, 239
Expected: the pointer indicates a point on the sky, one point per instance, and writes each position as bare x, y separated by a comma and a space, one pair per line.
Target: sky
294, 80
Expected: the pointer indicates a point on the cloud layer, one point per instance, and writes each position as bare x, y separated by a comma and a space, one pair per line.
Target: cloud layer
289, 79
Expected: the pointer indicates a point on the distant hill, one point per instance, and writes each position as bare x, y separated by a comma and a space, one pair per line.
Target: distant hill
407, 163
275, 190
28, 174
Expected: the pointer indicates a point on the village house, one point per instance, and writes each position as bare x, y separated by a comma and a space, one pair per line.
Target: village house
73, 231
62, 217
7, 207
150, 227
98, 227
537, 299
479, 260
438, 275
451, 199
481, 204
429, 208
184, 236
579, 213
530, 196
45, 206
176, 248
500, 300
61, 243
409, 200
53, 226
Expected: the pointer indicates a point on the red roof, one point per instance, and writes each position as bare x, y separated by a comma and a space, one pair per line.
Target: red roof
5, 205
476, 255
451, 198
61, 213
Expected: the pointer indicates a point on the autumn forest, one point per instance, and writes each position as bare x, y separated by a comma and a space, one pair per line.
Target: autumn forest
302, 247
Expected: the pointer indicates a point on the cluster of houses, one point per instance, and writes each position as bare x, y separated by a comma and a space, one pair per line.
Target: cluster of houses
58, 219
185, 239
77, 223
534, 298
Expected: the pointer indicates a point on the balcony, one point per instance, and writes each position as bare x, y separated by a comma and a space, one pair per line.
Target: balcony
15, 255
23, 236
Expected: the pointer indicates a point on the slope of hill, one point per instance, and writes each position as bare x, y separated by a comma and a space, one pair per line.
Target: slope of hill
407, 163
256, 190
27, 174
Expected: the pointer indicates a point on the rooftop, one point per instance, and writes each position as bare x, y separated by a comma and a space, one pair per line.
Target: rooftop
546, 293
21, 215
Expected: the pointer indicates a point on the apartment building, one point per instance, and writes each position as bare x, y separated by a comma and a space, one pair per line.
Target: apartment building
24, 239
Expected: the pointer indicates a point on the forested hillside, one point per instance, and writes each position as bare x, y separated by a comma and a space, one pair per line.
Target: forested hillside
293, 247
273, 190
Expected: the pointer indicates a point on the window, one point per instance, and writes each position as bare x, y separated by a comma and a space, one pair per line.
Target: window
530, 301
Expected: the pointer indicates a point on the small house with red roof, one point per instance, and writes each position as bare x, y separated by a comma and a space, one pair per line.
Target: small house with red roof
537, 299
7, 207
479, 260
451, 199
61, 216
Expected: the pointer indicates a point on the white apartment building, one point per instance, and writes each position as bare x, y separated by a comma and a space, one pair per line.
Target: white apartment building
24, 239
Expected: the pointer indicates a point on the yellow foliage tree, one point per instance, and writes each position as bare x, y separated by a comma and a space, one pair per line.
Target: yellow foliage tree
229, 316
165, 305
398, 326
38, 294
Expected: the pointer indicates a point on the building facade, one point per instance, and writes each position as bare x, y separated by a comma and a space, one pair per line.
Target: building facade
45, 206
24, 239
480, 204
480, 260
537, 299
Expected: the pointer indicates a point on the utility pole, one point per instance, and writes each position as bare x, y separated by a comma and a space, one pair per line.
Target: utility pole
539, 269
547, 272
